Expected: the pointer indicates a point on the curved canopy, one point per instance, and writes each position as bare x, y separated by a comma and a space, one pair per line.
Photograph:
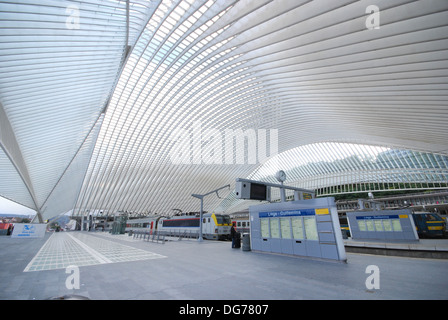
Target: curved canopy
133, 105
335, 168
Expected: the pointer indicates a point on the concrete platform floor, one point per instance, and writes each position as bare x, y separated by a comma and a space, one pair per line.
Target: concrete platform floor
122, 268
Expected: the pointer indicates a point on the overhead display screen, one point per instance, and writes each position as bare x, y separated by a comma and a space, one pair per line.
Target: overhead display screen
258, 191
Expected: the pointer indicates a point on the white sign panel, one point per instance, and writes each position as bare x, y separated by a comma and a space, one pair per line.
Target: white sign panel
28, 230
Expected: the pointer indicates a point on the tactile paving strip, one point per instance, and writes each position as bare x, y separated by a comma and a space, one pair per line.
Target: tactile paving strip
113, 251
75, 248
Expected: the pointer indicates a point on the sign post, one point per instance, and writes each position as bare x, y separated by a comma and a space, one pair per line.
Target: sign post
201, 197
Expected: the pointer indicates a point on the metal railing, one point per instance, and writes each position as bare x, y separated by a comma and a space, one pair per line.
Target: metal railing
181, 234
155, 236
162, 236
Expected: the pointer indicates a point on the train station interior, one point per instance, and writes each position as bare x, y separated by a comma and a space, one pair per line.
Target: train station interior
317, 130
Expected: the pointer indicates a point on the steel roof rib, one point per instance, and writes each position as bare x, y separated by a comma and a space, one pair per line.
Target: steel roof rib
55, 81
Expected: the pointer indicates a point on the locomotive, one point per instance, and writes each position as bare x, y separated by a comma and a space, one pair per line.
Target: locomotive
214, 226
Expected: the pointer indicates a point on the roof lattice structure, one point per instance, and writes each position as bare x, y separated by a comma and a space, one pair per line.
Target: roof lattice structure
126, 105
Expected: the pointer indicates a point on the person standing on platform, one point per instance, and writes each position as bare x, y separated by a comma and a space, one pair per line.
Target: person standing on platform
233, 235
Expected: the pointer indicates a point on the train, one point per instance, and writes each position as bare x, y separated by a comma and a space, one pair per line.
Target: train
429, 225
345, 229
241, 224
214, 226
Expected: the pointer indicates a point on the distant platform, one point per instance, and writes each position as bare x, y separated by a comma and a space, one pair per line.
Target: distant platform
122, 268
424, 248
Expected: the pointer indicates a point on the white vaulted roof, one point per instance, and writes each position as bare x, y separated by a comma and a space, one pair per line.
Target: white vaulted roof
104, 108
57, 74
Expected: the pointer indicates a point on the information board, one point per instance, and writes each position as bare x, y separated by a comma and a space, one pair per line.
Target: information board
382, 225
307, 228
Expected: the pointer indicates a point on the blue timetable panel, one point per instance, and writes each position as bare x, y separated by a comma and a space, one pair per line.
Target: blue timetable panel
382, 225
308, 228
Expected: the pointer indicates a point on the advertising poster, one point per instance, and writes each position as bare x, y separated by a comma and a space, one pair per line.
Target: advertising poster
387, 224
362, 225
275, 232
378, 225
396, 225
310, 228
297, 228
285, 226
370, 226
264, 225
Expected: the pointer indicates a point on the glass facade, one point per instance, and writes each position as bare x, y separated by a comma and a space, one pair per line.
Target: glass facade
335, 168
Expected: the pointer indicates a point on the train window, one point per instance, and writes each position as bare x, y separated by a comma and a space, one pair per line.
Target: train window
223, 219
239, 223
244, 224
248, 223
204, 220
182, 223
226, 219
208, 220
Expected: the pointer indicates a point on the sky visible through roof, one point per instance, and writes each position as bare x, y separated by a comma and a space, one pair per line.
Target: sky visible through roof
10, 207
